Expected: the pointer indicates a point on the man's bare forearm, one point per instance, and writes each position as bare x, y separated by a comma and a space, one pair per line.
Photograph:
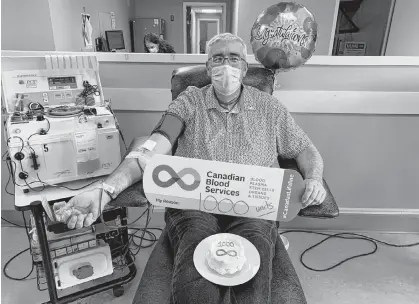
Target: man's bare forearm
310, 163
129, 171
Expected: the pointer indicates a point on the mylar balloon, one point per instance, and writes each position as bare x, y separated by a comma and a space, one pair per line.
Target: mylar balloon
284, 36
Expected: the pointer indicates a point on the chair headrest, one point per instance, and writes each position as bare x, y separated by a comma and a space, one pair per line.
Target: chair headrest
260, 78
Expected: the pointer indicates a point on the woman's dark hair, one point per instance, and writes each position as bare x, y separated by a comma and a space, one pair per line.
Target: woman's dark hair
164, 47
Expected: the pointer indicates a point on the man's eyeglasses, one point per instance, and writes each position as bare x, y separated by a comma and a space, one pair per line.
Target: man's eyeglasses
232, 60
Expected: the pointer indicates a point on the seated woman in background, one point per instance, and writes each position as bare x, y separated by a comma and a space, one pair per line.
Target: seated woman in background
154, 44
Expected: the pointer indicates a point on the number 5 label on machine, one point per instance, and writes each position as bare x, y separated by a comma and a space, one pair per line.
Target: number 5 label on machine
223, 188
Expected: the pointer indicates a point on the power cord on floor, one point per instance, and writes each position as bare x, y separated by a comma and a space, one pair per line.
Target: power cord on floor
18, 254
11, 223
344, 235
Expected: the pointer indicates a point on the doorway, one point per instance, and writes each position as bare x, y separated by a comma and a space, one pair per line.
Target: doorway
201, 22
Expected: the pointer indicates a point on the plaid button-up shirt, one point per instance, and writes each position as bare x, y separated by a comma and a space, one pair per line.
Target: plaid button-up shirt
254, 132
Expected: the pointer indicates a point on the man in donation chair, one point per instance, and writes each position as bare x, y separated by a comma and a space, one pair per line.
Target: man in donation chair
229, 122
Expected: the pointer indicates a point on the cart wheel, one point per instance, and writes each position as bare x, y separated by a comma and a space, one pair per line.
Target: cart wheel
118, 291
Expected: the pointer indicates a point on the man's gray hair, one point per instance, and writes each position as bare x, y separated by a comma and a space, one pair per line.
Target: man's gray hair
226, 37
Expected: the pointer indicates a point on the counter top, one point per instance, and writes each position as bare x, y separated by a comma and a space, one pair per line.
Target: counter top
201, 58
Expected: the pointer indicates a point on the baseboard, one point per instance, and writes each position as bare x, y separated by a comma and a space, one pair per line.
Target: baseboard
379, 211
350, 219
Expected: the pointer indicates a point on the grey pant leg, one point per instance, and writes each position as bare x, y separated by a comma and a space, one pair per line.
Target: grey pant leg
186, 229
263, 235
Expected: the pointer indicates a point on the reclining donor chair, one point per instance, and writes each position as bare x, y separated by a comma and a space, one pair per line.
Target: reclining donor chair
154, 287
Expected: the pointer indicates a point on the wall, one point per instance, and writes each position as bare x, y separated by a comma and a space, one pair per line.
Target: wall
372, 18
165, 8
403, 38
66, 20
26, 25
323, 11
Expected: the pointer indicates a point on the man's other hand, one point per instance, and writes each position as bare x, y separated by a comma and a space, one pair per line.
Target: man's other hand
314, 193
81, 210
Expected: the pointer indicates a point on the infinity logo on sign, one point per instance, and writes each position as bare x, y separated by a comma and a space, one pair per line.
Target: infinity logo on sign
176, 177
231, 253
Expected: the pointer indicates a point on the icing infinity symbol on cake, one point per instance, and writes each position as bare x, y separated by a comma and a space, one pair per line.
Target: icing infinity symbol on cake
231, 253
176, 177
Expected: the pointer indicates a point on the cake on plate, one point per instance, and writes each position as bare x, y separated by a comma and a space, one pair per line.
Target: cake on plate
226, 255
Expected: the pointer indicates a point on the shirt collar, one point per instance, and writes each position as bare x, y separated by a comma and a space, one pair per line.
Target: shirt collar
246, 101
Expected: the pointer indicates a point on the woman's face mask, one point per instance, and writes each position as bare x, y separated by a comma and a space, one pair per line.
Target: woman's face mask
226, 79
152, 47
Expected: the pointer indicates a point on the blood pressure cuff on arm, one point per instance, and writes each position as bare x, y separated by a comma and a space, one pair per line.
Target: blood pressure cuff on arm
170, 126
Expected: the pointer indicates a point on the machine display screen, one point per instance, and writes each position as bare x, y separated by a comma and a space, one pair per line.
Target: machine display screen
56, 83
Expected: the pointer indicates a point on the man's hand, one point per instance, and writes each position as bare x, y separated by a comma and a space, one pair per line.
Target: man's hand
314, 193
82, 209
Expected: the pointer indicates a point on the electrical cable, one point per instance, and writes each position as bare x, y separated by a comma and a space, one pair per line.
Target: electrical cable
4, 154
127, 249
9, 261
123, 140
11, 223
23, 143
144, 230
152, 228
35, 190
9, 169
40, 132
18, 254
89, 90
125, 226
344, 235
12, 173
65, 187
109, 107
152, 238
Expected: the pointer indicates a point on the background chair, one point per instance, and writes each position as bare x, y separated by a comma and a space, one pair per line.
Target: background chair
155, 282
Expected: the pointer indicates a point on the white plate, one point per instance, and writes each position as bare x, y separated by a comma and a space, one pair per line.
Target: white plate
249, 270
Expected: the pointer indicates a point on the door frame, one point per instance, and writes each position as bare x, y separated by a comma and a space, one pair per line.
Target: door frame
198, 30
383, 49
204, 4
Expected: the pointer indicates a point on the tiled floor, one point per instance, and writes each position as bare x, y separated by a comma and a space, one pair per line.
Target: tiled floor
390, 276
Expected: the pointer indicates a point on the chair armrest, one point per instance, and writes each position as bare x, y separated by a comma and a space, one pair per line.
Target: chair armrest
328, 209
134, 195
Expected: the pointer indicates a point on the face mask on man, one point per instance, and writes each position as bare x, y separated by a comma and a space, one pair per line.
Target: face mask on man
226, 79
